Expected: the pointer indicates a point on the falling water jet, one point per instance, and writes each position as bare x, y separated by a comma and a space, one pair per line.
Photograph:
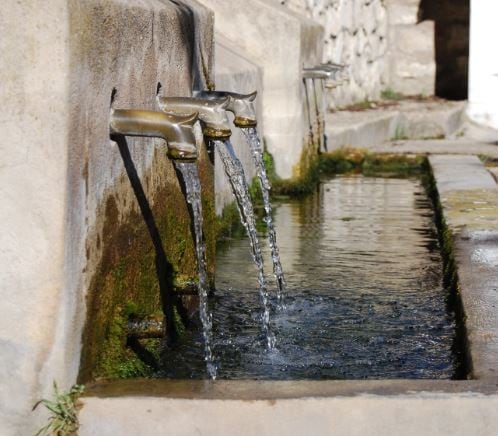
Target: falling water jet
237, 178
242, 106
216, 128
257, 154
190, 174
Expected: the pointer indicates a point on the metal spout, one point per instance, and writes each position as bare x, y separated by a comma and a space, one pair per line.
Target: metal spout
241, 105
175, 129
212, 113
333, 66
319, 72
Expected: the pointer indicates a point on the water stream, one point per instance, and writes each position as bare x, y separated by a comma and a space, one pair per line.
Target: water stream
257, 154
238, 182
190, 174
365, 295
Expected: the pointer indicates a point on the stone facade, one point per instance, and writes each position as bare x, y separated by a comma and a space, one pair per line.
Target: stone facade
81, 213
356, 34
381, 41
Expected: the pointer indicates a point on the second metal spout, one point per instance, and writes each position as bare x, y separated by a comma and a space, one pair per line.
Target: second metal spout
333, 66
212, 113
319, 72
176, 130
241, 105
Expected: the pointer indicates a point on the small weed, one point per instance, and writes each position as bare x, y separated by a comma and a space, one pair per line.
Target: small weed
390, 94
361, 106
63, 419
399, 134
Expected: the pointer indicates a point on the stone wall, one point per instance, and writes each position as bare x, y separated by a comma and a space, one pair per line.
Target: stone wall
356, 34
387, 45
281, 42
88, 222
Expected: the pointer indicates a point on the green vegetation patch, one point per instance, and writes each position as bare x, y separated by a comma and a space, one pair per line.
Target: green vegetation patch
344, 161
147, 262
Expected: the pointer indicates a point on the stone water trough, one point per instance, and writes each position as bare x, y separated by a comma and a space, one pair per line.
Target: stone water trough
95, 230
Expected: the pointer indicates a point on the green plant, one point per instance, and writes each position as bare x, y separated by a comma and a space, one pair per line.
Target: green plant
390, 94
63, 419
399, 134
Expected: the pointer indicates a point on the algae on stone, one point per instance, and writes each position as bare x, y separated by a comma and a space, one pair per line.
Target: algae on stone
147, 259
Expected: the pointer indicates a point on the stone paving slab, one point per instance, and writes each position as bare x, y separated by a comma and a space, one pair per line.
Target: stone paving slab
404, 119
433, 119
469, 197
442, 146
455, 172
359, 129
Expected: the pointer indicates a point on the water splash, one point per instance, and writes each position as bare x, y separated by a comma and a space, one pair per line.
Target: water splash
237, 178
190, 174
257, 154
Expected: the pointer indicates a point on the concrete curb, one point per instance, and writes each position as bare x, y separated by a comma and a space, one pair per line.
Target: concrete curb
469, 198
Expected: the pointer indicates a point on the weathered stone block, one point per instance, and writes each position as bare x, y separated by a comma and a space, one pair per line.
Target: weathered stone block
70, 212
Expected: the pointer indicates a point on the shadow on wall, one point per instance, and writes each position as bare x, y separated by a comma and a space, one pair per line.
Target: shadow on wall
164, 269
451, 19
147, 269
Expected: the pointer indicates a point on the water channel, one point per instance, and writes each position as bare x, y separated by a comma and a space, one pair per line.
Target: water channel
364, 299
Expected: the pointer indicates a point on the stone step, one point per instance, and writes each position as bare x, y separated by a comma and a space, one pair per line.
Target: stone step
409, 119
438, 146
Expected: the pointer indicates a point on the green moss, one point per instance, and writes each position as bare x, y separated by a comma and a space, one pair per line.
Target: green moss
116, 360
460, 346
145, 258
390, 94
229, 225
269, 165
178, 322
360, 106
348, 160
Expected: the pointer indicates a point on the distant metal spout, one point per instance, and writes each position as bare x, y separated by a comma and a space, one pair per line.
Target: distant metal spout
333, 66
319, 73
241, 105
174, 129
212, 113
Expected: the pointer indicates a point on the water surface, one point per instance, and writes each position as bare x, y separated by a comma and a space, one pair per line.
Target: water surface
364, 292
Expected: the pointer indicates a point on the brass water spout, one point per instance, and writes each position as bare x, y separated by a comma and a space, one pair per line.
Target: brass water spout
176, 130
241, 105
212, 113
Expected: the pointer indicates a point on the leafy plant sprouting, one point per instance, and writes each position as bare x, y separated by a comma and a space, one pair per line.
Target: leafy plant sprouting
63, 419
